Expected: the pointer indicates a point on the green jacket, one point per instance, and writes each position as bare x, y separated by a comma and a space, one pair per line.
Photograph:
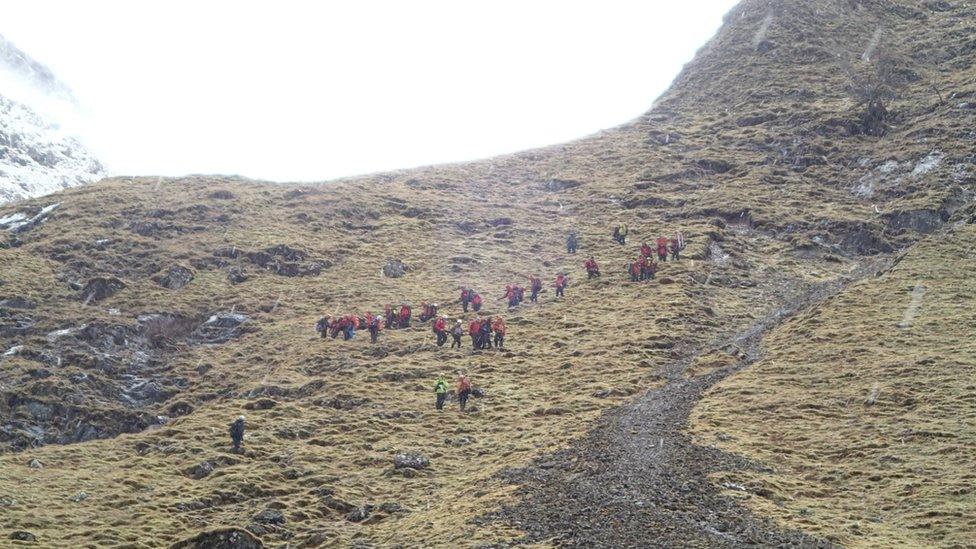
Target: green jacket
440, 387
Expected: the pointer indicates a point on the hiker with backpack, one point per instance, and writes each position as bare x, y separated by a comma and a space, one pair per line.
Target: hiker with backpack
440, 390
476, 302
440, 329
592, 269
498, 326
662, 249
465, 298
561, 282
457, 333
237, 434
535, 286
463, 389
485, 337
474, 330
322, 326
675, 249
373, 325
404, 317
572, 243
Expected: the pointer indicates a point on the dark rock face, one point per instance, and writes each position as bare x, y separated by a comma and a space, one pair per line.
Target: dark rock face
99, 288
281, 260
226, 538
412, 460
175, 278
16, 303
556, 185
921, 221
221, 327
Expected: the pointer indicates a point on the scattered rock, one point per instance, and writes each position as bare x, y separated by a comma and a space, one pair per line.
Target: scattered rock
21, 535
412, 460
261, 404
225, 538
221, 195
556, 185
16, 303
395, 268
359, 514
236, 275
99, 288
269, 516
79, 497
199, 470
35, 464
177, 277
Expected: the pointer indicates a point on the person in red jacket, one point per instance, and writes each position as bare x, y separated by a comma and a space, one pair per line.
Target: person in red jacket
463, 390
498, 326
592, 269
561, 282
476, 302
440, 328
404, 316
474, 330
662, 248
535, 286
373, 325
634, 269
645, 250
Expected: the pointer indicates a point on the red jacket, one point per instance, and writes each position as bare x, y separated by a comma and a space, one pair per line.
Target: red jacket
440, 325
590, 265
645, 250
662, 243
404, 312
560, 281
499, 327
474, 328
476, 300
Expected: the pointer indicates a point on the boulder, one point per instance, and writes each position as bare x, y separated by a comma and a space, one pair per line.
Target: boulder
21, 535
100, 287
175, 278
225, 538
394, 268
412, 460
269, 516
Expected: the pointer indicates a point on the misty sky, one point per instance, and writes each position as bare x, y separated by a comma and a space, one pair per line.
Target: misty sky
294, 90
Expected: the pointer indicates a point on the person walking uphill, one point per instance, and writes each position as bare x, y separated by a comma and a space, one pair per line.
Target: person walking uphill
440, 389
572, 243
474, 330
485, 333
440, 329
404, 320
662, 249
499, 328
465, 298
561, 282
476, 302
373, 325
463, 389
620, 233
457, 333
237, 434
535, 285
592, 269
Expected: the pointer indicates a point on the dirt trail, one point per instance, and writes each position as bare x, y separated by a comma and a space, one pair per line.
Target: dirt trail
637, 479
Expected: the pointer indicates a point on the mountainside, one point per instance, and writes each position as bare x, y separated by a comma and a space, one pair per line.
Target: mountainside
37, 157
800, 377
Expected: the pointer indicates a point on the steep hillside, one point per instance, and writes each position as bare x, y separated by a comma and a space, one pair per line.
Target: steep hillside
799, 154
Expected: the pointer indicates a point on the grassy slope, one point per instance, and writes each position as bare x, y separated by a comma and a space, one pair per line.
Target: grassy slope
863, 408
542, 391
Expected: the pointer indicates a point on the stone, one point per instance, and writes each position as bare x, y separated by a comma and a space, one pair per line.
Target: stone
225, 538
21, 535
412, 460
269, 516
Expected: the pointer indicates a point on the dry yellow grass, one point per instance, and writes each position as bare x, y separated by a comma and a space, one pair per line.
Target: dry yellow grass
344, 409
863, 409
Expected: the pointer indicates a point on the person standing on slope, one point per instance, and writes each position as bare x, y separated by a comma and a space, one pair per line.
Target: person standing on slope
592, 269
561, 282
675, 249
373, 324
474, 330
476, 302
440, 390
440, 329
465, 298
499, 328
662, 249
463, 389
572, 243
535, 286
486, 333
645, 250
404, 320
322, 326
237, 434
457, 333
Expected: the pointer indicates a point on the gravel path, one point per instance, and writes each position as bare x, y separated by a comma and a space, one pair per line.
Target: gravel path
637, 480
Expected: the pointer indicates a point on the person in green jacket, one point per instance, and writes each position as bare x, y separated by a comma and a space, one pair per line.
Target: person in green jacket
440, 389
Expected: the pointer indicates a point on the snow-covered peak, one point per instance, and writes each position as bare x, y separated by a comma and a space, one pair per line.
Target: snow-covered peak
37, 156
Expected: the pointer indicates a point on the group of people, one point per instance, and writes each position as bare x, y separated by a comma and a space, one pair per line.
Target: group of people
481, 330
620, 233
470, 298
397, 317
462, 390
347, 325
